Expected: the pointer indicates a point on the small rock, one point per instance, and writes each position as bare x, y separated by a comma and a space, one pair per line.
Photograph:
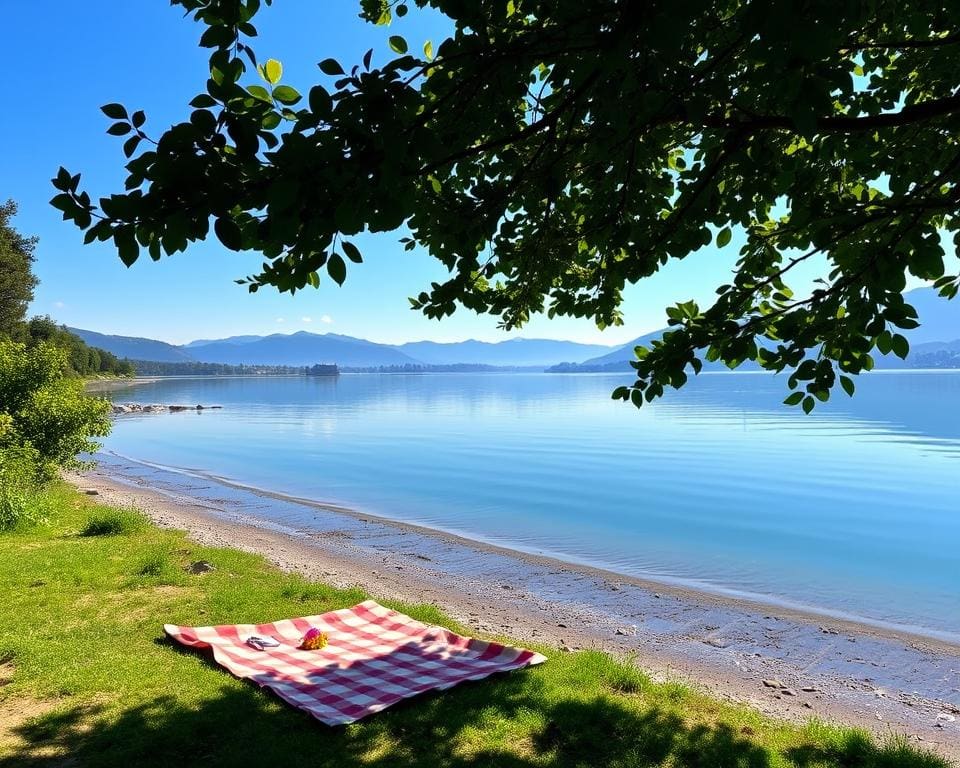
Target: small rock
560, 624
788, 692
91, 491
773, 684
808, 689
715, 642
200, 566
808, 705
943, 717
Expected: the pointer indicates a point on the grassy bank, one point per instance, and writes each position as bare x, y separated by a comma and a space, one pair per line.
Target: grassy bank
85, 673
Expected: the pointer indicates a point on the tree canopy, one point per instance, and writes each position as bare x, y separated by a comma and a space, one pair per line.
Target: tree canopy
17, 280
550, 152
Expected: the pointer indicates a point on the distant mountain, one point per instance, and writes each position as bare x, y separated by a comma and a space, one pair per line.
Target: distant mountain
134, 347
229, 340
939, 321
936, 343
301, 348
939, 318
512, 353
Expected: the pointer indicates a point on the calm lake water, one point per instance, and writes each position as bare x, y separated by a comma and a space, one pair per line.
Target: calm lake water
854, 510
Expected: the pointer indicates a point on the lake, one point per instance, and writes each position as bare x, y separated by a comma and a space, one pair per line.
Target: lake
852, 511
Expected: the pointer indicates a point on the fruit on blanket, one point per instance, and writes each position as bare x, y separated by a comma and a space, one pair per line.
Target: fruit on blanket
313, 640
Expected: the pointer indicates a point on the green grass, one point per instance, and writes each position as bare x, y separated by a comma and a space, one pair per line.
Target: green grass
91, 681
109, 521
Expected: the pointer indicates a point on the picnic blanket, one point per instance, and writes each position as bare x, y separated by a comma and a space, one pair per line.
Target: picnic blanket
375, 658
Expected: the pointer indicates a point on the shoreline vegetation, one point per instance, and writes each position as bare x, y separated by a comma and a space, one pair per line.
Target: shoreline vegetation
125, 696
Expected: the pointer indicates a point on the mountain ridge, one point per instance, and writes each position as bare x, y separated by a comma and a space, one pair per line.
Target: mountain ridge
937, 338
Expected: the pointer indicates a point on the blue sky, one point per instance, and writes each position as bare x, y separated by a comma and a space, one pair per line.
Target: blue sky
66, 59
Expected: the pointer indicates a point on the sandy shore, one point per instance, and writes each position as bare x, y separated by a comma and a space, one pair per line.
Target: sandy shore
786, 663
97, 386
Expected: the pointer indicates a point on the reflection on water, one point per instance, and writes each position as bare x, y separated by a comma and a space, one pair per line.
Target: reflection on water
853, 508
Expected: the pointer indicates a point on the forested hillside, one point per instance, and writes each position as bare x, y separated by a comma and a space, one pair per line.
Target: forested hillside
17, 282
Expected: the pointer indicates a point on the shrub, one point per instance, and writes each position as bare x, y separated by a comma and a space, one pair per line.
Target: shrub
43, 412
21, 501
113, 522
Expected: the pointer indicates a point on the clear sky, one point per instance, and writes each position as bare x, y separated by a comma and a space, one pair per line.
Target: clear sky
65, 59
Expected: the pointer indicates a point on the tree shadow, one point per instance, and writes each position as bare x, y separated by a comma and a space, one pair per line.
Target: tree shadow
243, 726
855, 748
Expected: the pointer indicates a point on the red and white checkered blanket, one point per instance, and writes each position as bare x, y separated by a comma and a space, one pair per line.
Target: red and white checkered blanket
375, 657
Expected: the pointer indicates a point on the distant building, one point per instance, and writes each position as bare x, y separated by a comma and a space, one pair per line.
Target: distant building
322, 370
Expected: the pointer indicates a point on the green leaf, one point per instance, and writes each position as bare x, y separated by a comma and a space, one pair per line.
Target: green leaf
428, 50
127, 247
63, 202
848, 386
808, 404
130, 145
331, 67
114, 111
273, 70
119, 129
793, 398
203, 101
884, 343
259, 92
320, 102
900, 346
228, 233
337, 268
286, 95
353, 253
398, 44
723, 237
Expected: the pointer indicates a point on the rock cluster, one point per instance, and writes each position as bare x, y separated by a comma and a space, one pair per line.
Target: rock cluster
121, 408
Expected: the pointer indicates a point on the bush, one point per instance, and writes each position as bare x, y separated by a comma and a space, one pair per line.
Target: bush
113, 522
44, 413
21, 501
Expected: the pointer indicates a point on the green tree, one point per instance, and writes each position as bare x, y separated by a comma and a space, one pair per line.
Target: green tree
16, 276
43, 413
81, 359
552, 151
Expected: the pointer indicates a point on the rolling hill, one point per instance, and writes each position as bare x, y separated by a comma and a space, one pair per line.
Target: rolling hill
134, 347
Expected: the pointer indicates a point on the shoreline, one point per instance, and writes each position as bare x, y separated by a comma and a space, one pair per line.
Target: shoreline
881, 680
918, 636
96, 386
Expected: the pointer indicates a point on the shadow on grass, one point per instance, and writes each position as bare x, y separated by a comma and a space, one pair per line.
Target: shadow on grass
244, 726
